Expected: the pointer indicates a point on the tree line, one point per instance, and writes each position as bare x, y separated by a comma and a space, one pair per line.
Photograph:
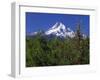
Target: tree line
41, 51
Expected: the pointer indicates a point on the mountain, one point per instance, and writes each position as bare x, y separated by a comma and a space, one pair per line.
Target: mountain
33, 33
60, 30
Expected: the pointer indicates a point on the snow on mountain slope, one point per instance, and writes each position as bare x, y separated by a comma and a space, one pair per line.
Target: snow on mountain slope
59, 29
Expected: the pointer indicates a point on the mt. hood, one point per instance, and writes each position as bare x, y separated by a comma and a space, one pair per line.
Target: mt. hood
60, 30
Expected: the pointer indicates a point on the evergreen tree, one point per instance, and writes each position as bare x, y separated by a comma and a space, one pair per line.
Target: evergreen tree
78, 42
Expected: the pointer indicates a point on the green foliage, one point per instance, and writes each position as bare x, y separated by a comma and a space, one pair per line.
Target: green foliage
43, 52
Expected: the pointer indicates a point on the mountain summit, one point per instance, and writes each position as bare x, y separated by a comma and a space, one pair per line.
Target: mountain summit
60, 30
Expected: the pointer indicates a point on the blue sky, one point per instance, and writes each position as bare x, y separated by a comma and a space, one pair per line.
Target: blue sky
43, 21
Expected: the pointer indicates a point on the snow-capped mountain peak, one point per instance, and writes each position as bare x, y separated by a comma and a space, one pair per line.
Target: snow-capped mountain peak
59, 29
57, 26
